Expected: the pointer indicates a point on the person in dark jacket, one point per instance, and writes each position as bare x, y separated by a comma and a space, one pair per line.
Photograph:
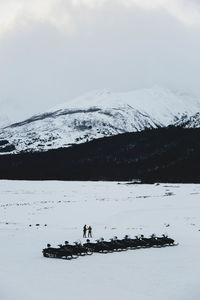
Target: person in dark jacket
89, 231
84, 231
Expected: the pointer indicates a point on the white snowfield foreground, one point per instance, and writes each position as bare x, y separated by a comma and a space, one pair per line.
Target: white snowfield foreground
111, 209
99, 114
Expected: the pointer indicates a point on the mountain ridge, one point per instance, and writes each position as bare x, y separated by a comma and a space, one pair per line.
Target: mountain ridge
99, 114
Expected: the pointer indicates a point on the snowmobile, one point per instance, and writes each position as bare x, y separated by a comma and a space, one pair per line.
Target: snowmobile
99, 246
109, 244
57, 252
167, 241
142, 242
78, 249
152, 241
118, 244
155, 241
132, 243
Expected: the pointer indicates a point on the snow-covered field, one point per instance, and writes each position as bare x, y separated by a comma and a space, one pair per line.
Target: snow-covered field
112, 209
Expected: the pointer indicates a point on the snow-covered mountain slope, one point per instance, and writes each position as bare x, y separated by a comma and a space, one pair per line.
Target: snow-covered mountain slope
161, 104
189, 121
95, 115
65, 127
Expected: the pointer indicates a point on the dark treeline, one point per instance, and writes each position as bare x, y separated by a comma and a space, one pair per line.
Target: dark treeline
160, 155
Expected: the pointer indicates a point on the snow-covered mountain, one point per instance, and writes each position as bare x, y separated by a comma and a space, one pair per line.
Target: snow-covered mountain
189, 121
98, 114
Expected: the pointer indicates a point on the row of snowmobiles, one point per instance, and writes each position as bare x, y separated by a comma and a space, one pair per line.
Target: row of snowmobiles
68, 251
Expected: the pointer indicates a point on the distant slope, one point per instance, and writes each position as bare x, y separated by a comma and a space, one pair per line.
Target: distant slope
189, 121
160, 155
63, 128
99, 114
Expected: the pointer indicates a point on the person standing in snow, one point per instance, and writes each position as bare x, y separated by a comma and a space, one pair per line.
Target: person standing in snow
89, 231
84, 231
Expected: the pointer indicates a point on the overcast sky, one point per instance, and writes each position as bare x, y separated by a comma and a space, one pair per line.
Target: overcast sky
54, 50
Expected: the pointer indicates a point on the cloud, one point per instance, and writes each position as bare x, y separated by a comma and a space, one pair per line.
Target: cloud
188, 12
66, 15
116, 44
61, 14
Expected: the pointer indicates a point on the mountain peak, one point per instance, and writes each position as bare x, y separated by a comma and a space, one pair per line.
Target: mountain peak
101, 113
161, 103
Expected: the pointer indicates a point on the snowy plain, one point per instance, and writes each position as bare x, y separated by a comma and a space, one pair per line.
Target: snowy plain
112, 209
